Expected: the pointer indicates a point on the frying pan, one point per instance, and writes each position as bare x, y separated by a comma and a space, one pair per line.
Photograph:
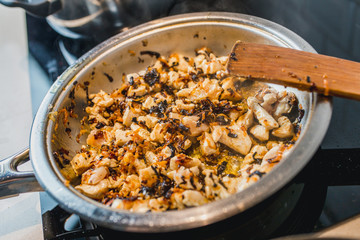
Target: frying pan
102, 68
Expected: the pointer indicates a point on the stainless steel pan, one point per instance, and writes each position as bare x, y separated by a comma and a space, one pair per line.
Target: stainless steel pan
182, 33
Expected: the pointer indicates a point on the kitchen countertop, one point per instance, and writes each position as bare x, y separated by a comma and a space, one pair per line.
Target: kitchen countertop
20, 216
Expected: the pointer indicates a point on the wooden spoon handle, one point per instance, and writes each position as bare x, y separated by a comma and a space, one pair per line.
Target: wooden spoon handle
303, 70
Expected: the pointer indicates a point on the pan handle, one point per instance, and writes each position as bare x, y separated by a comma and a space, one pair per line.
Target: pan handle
12, 181
40, 9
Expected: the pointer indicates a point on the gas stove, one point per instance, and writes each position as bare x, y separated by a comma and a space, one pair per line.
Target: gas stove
324, 194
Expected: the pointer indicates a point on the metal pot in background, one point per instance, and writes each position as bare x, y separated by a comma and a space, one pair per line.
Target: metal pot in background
97, 20
94, 19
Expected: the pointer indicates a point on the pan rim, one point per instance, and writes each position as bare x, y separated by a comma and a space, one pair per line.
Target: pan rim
318, 121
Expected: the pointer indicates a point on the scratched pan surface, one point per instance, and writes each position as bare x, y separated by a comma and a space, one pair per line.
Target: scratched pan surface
182, 34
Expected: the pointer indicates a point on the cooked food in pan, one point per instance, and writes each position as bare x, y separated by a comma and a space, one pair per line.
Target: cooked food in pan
182, 133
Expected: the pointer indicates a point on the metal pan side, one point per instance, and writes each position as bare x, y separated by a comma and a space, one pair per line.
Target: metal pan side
182, 33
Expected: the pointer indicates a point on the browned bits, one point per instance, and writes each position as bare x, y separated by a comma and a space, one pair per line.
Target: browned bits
150, 53
180, 134
233, 56
326, 87
144, 43
132, 53
110, 78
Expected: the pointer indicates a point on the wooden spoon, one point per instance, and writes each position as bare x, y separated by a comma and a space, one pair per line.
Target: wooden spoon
289, 67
